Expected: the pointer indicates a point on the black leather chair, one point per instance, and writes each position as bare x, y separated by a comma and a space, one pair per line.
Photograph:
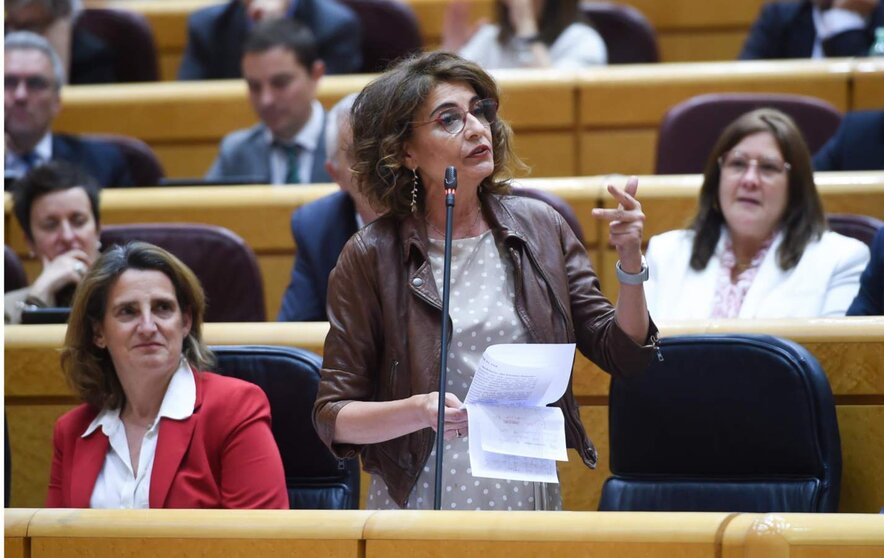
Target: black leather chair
144, 166
860, 227
223, 262
690, 129
130, 36
13, 271
560, 205
290, 377
738, 423
629, 36
390, 31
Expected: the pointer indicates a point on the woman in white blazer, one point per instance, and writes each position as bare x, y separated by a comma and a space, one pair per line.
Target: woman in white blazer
758, 246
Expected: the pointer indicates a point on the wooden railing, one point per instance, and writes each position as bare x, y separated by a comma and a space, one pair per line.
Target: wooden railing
494, 534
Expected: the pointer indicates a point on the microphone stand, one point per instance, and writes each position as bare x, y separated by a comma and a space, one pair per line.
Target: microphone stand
450, 187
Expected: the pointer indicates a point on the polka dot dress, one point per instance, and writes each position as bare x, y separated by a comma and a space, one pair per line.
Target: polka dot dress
483, 314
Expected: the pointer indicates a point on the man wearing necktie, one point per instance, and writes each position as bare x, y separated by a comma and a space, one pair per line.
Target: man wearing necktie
282, 70
33, 76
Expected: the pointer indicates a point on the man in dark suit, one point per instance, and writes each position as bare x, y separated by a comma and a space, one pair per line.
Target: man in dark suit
814, 29
857, 145
870, 299
85, 57
322, 227
281, 67
215, 35
33, 79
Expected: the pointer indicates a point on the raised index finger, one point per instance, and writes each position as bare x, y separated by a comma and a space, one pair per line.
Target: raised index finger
623, 197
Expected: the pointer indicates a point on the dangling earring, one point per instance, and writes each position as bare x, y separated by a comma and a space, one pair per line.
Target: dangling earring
414, 191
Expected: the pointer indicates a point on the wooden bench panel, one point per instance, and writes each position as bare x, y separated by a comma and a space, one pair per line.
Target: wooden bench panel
494, 534
187, 533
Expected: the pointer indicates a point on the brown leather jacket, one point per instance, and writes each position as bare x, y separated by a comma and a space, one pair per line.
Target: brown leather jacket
384, 311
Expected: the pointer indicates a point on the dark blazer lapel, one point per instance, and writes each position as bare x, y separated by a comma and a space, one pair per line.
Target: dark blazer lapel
172, 444
88, 459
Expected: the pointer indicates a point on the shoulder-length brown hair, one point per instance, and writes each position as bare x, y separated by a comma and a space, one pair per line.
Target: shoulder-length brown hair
88, 368
554, 18
382, 119
803, 220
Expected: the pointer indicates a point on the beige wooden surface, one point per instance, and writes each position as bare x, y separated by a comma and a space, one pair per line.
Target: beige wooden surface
376, 534
849, 349
792, 535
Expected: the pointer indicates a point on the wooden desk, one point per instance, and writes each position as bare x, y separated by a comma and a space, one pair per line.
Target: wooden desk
57, 533
491, 534
502, 534
807, 534
849, 349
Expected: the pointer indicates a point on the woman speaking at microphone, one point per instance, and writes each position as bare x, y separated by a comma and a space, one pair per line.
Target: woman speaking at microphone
518, 275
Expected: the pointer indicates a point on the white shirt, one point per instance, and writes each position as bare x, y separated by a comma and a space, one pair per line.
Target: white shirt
16, 167
577, 46
117, 485
829, 23
307, 139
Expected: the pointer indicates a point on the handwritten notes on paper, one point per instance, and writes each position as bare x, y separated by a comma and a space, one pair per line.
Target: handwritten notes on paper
513, 434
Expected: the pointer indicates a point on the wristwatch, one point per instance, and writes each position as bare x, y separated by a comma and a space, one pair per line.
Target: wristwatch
633, 278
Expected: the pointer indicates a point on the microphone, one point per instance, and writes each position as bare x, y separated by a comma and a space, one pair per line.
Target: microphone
450, 183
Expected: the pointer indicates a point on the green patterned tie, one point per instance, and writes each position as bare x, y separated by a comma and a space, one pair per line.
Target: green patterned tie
292, 176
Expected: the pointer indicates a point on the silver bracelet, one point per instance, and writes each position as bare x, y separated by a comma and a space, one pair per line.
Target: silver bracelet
633, 278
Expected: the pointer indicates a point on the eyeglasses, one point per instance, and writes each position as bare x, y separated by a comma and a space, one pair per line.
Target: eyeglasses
32, 83
453, 120
735, 164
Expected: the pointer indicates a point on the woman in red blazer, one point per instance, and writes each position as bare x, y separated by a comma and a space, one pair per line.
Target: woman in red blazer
153, 431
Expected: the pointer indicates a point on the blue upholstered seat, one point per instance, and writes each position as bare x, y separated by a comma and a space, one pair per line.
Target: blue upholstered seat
290, 377
742, 423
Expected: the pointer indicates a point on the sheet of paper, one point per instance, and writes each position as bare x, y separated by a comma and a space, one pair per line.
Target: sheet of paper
513, 434
521, 431
522, 374
491, 465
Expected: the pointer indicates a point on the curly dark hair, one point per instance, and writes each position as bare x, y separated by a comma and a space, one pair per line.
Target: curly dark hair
382, 123
803, 221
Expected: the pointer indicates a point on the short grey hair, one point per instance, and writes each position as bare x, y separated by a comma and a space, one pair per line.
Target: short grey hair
26, 40
333, 121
